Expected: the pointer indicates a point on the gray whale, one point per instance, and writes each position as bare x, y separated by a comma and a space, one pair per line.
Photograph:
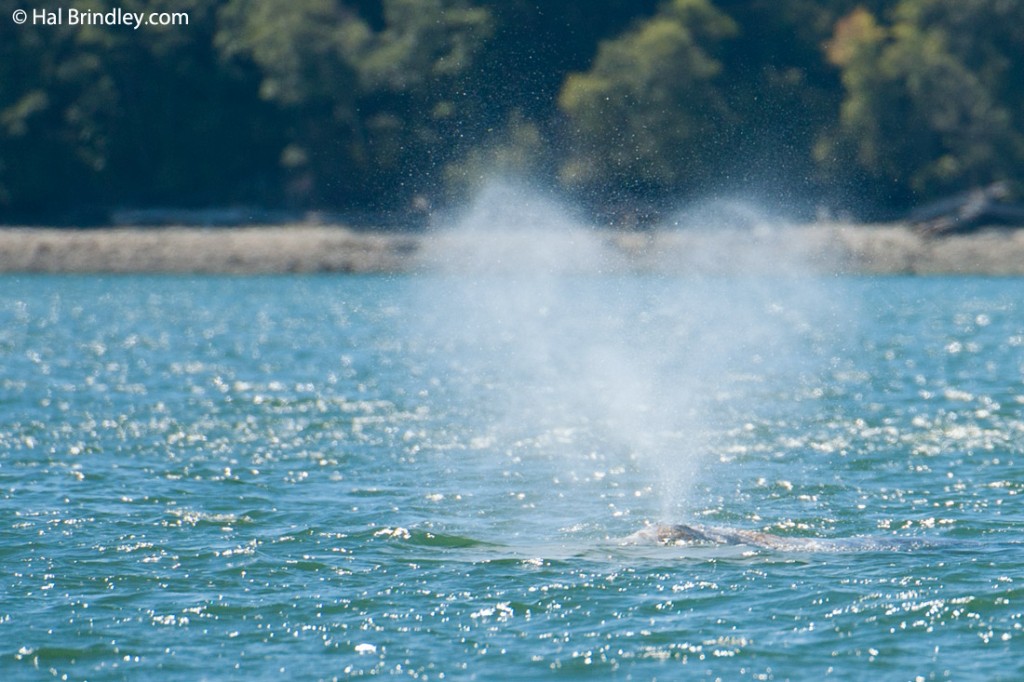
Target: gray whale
681, 534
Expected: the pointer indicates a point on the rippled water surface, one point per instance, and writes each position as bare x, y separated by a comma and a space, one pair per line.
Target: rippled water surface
430, 477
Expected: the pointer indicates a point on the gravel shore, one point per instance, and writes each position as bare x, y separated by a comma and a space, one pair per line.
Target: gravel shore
804, 249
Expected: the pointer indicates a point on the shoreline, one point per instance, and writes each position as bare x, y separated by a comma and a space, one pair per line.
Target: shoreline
827, 248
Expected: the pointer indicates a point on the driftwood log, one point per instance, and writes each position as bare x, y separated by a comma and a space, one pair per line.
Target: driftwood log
967, 211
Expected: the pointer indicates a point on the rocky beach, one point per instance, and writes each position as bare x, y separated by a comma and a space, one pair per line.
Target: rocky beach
800, 249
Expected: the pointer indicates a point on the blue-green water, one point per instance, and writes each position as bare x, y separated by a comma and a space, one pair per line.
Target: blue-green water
428, 477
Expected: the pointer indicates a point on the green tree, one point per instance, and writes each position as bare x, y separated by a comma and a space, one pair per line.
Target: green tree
48, 142
376, 109
782, 91
650, 113
746, 119
933, 101
537, 45
515, 128
96, 116
516, 150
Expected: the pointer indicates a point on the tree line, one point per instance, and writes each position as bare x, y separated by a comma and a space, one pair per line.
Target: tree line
391, 105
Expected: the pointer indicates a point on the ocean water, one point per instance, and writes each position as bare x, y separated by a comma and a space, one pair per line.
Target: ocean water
430, 477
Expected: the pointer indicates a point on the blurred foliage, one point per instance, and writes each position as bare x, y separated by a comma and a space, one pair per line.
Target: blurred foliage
934, 99
394, 104
93, 116
514, 150
646, 115
371, 110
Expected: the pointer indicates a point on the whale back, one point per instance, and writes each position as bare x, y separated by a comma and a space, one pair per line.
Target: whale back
683, 534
